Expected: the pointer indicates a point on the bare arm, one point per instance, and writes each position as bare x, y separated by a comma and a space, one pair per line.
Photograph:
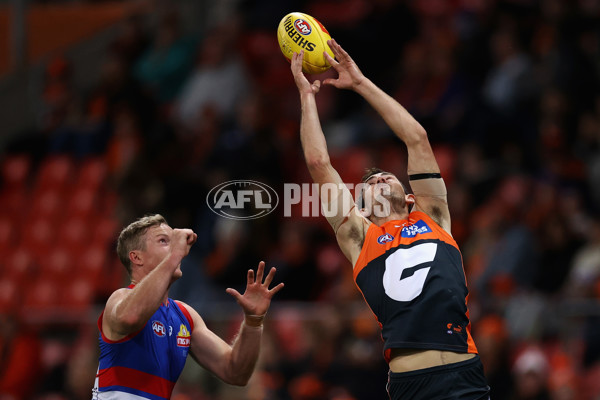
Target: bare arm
128, 310
340, 211
430, 194
235, 363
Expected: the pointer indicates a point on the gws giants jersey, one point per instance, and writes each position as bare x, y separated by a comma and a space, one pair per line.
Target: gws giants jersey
410, 273
146, 364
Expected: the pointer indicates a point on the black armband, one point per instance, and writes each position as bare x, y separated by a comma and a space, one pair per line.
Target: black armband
432, 175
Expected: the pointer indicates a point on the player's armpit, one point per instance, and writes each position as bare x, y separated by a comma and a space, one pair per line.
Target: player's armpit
351, 234
431, 197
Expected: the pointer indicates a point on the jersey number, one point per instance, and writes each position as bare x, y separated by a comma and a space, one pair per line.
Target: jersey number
406, 271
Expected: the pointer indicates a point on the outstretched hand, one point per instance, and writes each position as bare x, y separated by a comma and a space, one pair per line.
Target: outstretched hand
257, 298
349, 75
304, 86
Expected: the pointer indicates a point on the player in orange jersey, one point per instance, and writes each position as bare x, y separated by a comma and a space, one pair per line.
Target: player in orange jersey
406, 263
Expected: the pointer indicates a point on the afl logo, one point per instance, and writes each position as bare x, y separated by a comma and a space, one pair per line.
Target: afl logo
383, 239
303, 27
242, 199
159, 328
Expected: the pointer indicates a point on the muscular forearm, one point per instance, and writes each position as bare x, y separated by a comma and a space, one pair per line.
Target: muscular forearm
397, 117
134, 310
244, 353
312, 138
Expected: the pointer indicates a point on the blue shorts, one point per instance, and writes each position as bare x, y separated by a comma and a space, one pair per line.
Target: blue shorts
459, 381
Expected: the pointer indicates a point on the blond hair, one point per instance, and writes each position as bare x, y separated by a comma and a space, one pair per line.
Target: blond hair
132, 237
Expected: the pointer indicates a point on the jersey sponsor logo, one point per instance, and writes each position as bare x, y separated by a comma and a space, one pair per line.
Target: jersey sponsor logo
418, 228
183, 336
383, 239
302, 27
159, 328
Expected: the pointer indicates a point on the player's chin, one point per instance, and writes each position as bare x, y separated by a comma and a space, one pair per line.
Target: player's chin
177, 273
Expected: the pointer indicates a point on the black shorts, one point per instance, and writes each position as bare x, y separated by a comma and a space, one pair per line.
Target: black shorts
459, 381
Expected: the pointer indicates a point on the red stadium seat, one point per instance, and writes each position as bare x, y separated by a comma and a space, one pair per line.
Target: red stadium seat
106, 230
15, 202
10, 293
38, 235
20, 265
92, 265
47, 203
57, 265
41, 295
15, 170
77, 295
92, 173
8, 235
82, 202
56, 172
75, 233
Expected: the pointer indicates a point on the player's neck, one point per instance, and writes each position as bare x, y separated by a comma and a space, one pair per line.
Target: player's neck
394, 216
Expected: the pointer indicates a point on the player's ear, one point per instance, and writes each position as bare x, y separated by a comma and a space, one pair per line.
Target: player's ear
364, 212
135, 257
410, 199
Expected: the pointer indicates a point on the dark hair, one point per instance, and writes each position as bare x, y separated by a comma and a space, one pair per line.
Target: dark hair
132, 237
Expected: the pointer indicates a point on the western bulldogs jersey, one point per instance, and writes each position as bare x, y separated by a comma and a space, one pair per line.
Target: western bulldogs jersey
146, 364
411, 275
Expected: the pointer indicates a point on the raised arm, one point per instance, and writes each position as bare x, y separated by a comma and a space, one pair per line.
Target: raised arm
128, 310
349, 226
235, 363
428, 187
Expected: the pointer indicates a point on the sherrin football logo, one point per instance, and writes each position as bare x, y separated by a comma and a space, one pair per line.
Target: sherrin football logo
159, 328
183, 336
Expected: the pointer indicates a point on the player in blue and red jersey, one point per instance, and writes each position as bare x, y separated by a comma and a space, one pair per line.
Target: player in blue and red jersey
406, 263
145, 337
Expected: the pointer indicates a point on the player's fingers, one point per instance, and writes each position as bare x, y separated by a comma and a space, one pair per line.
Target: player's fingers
331, 82
276, 289
260, 271
338, 50
234, 293
297, 60
332, 61
270, 276
250, 277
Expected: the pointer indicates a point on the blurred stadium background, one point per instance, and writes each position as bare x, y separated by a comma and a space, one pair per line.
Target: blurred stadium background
113, 109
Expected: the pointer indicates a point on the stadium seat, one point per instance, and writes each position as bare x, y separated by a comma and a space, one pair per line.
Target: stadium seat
77, 295
20, 264
10, 294
55, 171
82, 202
57, 265
75, 233
47, 203
42, 295
106, 230
14, 202
8, 235
91, 264
15, 170
92, 173
38, 235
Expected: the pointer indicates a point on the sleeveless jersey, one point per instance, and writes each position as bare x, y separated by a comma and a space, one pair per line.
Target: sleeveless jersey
410, 273
146, 364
